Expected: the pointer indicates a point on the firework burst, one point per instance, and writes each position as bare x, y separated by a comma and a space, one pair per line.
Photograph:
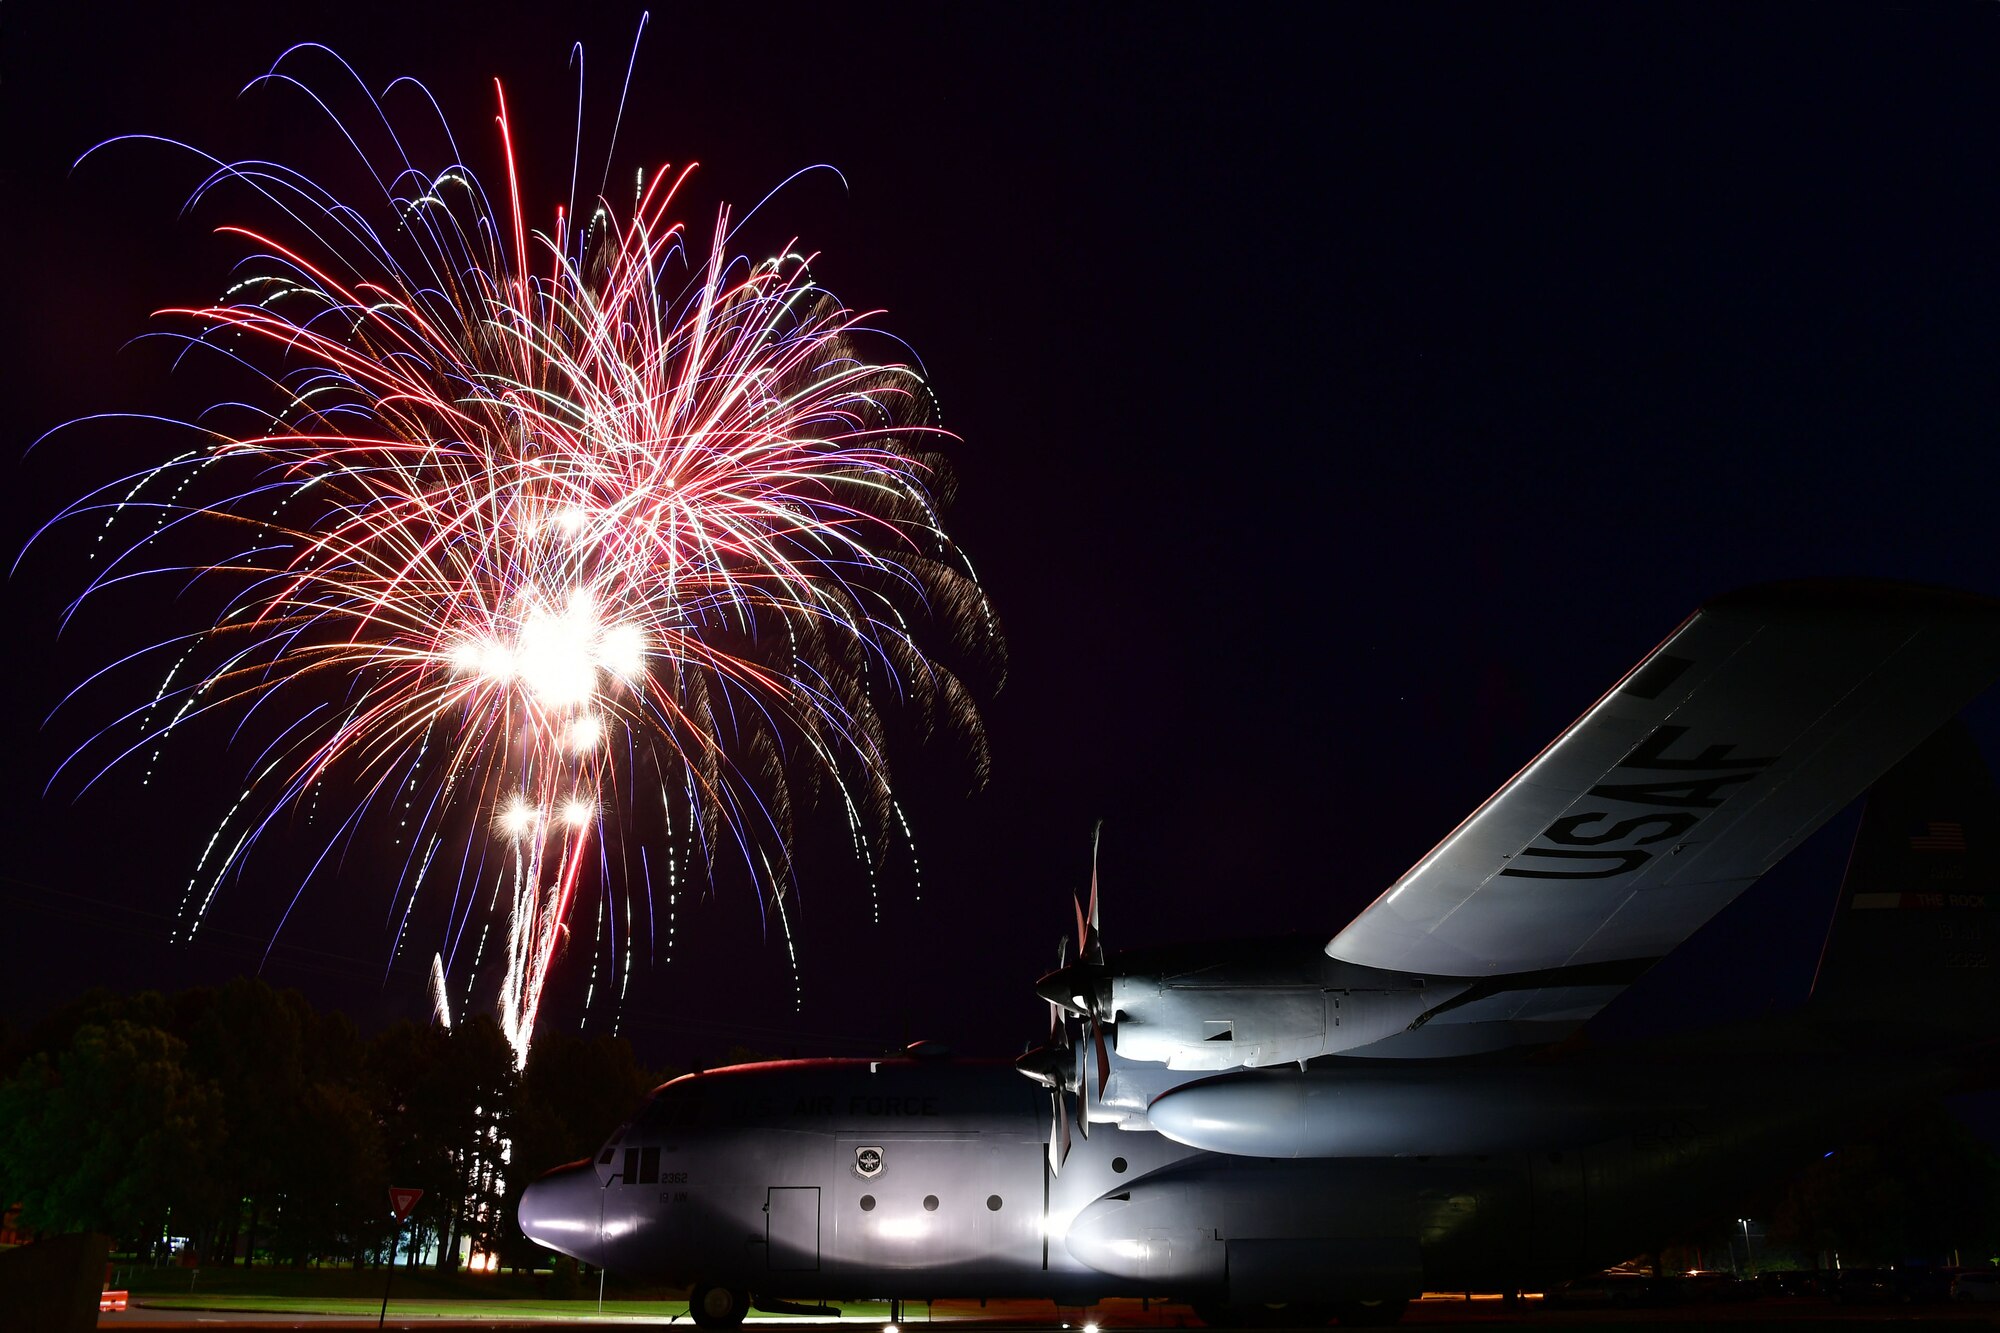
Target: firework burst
542, 530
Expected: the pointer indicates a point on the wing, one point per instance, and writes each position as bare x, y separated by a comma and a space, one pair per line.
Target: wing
1759, 718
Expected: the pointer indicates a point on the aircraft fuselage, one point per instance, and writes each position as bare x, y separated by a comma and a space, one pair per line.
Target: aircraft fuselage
930, 1178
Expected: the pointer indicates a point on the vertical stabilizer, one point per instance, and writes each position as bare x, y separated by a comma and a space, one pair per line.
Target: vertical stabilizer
1912, 954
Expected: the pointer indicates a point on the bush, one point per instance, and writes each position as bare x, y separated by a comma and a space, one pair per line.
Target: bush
565, 1284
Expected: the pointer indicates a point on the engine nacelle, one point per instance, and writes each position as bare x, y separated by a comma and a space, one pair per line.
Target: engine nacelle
1231, 1027
1199, 1229
1253, 1003
1365, 1109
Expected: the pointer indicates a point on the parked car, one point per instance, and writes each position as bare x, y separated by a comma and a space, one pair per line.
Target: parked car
1976, 1284
1924, 1286
1707, 1285
1863, 1286
1614, 1286
1893, 1286
1791, 1282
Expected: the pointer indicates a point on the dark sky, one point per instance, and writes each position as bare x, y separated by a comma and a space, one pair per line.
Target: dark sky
1348, 395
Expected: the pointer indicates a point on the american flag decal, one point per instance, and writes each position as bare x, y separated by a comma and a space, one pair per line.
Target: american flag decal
1939, 836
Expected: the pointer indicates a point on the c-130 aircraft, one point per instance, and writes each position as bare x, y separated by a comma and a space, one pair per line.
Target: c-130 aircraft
1298, 1133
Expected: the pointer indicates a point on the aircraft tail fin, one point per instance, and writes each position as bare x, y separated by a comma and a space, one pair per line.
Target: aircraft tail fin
1913, 952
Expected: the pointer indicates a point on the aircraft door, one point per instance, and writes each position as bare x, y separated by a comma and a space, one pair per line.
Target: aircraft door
791, 1228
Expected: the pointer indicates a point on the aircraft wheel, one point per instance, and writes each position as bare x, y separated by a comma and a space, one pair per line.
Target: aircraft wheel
1370, 1314
720, 1308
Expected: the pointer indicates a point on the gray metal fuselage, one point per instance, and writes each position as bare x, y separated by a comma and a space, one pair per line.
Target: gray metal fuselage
898, 1177
929, 1178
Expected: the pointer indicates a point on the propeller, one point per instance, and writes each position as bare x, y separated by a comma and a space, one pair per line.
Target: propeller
1081, 989
1086, 986
1053, 1065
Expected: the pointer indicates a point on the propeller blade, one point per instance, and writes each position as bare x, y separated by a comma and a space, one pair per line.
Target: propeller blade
1103, 1057
1082, 930
1094, 941
1082, 1095
1058, 1133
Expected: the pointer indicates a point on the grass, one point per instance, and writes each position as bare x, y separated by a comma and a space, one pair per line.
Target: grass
658, 1311
415, 1292
345, 1290
357, 1307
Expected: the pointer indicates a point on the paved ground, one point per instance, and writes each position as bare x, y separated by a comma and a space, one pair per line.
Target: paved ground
1792, 1316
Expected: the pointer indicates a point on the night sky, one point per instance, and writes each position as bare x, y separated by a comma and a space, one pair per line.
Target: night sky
1348, 396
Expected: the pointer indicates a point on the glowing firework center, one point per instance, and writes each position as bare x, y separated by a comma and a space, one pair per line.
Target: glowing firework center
559, 658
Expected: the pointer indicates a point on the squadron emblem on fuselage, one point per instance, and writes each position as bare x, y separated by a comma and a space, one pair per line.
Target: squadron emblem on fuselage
868, 1162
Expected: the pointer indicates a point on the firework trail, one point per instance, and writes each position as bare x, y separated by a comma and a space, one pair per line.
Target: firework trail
538, 531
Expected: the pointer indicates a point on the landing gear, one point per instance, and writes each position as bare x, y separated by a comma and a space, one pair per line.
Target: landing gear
718, 1308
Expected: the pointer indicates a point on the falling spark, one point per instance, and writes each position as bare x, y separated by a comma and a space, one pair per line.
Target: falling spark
439, 1000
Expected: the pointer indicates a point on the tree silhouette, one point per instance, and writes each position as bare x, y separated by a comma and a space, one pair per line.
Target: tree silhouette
111, 1134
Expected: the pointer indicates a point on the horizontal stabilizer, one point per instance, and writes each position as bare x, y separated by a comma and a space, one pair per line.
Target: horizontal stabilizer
1913, 954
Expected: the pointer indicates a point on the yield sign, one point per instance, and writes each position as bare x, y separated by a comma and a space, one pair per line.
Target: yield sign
402, 1200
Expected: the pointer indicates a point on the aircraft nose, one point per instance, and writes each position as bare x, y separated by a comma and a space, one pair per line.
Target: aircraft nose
561, 1210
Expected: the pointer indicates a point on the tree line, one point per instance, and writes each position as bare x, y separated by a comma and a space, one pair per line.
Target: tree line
240, 1120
